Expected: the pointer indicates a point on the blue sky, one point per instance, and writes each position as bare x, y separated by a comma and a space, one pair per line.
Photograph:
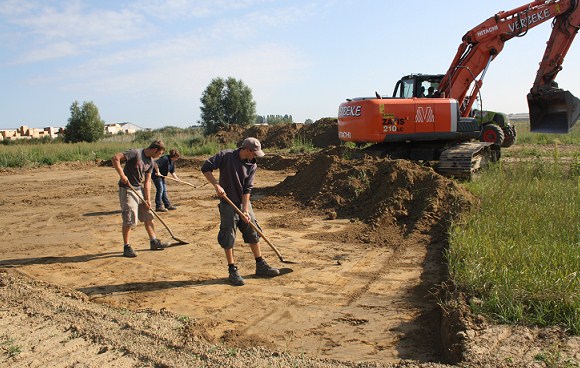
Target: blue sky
149, 61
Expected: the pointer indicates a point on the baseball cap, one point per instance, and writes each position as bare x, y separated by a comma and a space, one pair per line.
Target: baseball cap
254, 145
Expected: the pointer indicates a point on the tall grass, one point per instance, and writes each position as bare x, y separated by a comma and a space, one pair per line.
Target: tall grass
519, 255
302, 144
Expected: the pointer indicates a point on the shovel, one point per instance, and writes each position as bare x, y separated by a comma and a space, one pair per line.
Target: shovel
180, 242
258, 231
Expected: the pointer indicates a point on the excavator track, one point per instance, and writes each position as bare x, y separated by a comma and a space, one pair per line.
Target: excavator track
464, 159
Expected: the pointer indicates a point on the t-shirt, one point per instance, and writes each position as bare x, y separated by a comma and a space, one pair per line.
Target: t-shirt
165, 165
236, 175
136, 166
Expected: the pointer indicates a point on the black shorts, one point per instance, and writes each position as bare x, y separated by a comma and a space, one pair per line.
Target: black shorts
230, 221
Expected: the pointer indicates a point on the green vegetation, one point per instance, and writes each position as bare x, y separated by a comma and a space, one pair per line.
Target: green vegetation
530, 144
8, 346
226, 102
527, 137
18, 154
302, 145
274, 119
85, 123
518, 254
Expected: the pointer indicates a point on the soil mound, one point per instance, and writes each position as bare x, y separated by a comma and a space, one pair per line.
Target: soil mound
275, 136
233, 133
377, 191
322, 133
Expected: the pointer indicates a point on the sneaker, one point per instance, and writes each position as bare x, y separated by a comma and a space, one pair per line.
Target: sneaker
235, 277
171, 208
264, 270
160, 209
156, 244
129, 252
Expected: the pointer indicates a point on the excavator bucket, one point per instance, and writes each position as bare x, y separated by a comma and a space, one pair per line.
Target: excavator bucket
553, 112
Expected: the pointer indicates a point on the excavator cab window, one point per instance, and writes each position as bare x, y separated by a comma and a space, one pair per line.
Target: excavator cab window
417, 85
407, 88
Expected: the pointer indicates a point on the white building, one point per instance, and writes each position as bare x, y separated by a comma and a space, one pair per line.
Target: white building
125, 128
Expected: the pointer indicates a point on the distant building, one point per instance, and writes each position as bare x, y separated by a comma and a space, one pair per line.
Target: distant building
124, 128
24, 132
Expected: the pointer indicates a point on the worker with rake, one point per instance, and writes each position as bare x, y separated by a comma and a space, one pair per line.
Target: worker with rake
237, 169
139, 165
164, 166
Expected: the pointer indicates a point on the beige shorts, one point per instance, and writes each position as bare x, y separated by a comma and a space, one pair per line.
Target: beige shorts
133, 209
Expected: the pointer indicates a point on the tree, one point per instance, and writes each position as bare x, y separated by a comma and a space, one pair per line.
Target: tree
275, 119
84, 124
226, 102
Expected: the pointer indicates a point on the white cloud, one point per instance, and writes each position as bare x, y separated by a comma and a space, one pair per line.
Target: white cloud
43, 30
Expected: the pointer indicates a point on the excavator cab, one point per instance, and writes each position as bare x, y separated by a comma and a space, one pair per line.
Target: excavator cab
555, 111
417, 85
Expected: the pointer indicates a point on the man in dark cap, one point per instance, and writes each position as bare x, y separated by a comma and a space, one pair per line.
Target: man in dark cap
237, 170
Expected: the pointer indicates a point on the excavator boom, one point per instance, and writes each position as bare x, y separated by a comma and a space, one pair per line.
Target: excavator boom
553, 110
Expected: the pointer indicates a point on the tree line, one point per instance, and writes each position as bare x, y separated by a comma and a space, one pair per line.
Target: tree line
224, 102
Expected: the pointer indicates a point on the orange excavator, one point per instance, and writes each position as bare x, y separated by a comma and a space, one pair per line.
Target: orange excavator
430, 116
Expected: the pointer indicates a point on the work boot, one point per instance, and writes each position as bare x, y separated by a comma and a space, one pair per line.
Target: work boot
156, 244
235, 277
128, 251
160, 209
264, 270
171, 208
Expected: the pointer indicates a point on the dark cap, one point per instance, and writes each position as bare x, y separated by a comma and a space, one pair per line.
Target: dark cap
254, 145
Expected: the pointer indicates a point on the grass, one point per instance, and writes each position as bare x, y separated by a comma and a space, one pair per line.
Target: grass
541, 144
518, 255
524, 136
10, 349
32, 154
302, 145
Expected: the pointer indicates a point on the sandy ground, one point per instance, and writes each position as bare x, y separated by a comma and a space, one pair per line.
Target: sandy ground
341, 301
350, 301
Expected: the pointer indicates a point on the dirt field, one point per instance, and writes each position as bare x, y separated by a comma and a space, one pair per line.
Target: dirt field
368, 235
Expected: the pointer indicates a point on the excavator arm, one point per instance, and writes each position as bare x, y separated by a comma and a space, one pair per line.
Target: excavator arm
484, 42
552, 109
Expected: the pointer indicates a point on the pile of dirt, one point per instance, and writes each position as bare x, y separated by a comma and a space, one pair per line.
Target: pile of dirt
275, 136
322, 133
377, 191
232, 133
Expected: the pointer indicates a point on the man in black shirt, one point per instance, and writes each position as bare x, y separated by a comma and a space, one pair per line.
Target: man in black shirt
165, 166
237, 170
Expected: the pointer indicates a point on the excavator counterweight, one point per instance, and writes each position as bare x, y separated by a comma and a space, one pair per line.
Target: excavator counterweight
553, 112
